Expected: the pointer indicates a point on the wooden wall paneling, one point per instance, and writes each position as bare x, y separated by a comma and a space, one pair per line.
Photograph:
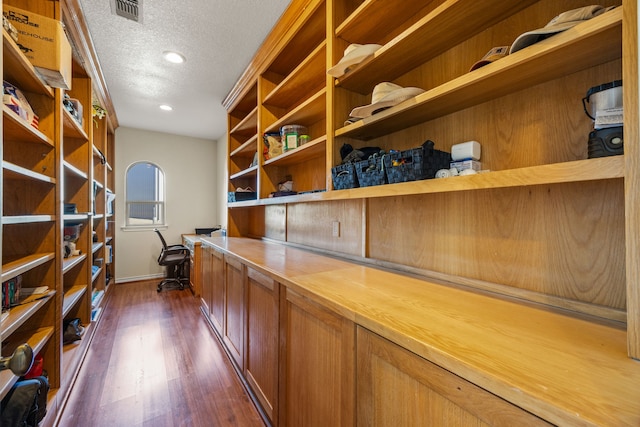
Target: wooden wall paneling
29, 238
245, 221
632, 174
311, 224
39, 158
512, 134
22, 197
276, 222
565, 240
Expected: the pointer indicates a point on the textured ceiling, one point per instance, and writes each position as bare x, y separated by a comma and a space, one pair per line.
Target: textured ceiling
218, 38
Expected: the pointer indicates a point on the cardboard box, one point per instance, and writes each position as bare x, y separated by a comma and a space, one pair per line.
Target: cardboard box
44, 43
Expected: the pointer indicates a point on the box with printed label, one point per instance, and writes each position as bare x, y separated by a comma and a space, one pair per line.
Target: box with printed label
44, 43
467, 164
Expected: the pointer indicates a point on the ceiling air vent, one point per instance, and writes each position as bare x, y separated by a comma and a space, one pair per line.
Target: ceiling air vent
130, 9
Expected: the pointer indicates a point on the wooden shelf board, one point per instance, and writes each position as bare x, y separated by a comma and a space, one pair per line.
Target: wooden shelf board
17, 68
590, 43
27, 219
247, 149
96, 246
451, 23
12, 171
72, 354
75, 217
36, 341
18, 130
311, 150
21, 265
308, 77
307, 113
71, 127
95, 275
248, 125
71, 262
247, 173
557, 173
71, 297
20, 314
74, 171
364, 24
98, 216
98, 184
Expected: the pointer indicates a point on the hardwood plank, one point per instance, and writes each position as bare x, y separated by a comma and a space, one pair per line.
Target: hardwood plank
143, 369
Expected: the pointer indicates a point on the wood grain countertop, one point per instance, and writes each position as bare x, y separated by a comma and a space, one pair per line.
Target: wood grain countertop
565, 369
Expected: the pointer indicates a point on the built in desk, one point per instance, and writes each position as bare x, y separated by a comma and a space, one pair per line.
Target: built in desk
563, 369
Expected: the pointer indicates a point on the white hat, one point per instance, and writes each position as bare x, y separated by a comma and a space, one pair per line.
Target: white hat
353, 54
385, 95
560, 23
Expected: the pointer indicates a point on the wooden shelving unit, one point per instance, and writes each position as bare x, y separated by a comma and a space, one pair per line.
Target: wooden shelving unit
43, 170
543, 222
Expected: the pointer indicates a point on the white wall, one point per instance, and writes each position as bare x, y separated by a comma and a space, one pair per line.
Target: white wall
192, 195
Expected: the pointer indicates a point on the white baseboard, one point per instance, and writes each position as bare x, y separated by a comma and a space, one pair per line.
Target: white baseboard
139, 278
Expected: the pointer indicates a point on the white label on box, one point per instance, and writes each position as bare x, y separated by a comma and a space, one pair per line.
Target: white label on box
467, 164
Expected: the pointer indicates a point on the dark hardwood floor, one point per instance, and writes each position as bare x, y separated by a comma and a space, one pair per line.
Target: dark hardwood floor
155, 362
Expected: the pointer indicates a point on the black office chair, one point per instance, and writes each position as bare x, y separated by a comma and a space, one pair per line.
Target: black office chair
175, 259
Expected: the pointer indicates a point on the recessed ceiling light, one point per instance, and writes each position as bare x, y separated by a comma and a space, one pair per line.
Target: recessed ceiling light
174, 57
166, 107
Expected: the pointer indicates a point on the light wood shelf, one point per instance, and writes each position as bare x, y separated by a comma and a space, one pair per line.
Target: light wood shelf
308, 77
16, 67
21, 265
71, 262
27, 219
590, 43
451, 23
12, 171
310, 111
21, 314
71, 297
71, 127
18, 130
36, 341
74, 171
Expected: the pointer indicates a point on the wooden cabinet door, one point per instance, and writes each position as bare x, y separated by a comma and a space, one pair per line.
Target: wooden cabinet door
397, 387
206, 279
234, 309
217, 290
261, 370
317, 384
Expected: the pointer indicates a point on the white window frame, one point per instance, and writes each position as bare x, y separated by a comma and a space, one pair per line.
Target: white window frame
159, 220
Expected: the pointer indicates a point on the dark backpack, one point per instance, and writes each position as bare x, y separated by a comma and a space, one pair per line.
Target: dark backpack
26, 403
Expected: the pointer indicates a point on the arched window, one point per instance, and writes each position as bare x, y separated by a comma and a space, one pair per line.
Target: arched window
144, 192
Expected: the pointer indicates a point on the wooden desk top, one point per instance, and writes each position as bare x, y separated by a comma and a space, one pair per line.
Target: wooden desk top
566, 370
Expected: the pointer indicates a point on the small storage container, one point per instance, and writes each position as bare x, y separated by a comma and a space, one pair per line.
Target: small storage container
290, 136
344, 176
418, 163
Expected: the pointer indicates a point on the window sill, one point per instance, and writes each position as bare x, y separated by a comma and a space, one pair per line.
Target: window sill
143, 227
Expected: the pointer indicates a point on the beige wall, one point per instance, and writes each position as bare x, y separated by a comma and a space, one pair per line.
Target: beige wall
191, 172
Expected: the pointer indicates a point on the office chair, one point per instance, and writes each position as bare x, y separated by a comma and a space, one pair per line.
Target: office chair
175, 259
